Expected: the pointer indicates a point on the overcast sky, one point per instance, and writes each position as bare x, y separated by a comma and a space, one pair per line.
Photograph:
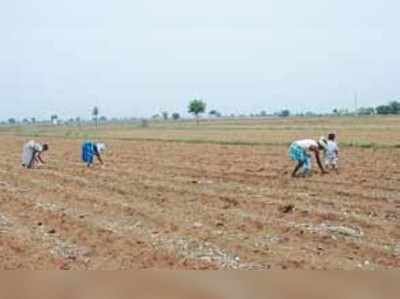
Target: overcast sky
140, 57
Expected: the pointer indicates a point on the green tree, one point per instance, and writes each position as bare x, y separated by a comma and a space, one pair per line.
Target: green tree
215, 113
284, 113
95, 114
176, 116
383, 110
263, 113
12, 121
394, 107
165, 115
197, 107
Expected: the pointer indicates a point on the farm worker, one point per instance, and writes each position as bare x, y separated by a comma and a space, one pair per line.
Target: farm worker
301, 151
331, 152
32, 154
91, 149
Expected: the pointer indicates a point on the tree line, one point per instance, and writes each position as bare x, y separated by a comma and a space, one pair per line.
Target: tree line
392, 108
197, 107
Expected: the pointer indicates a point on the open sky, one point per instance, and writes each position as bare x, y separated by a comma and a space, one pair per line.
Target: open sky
141, 57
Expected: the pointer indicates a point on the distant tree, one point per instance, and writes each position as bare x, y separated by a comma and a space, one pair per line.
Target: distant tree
383, 110
95, 114
103, 118
165, 115
392, 108
12, 121
263, 113
395, 107
25, 121
197, 107
214, 113
176, 116
54, 119
340, 112
33, 120
284, 113
156, 116
366, 111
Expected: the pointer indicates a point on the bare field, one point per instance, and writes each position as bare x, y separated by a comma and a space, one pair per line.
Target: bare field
201, 205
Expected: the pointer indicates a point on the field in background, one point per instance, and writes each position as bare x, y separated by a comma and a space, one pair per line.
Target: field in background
217, 196
352, 131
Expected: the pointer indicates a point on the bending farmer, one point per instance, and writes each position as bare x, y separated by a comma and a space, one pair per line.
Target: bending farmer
90, 150
32, 154
302, 150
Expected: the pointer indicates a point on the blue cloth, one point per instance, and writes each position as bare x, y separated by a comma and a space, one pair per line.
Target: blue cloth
297, 153
88, 151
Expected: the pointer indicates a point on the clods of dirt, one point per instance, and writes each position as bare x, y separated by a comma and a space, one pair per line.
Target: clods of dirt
197, 225
286, 209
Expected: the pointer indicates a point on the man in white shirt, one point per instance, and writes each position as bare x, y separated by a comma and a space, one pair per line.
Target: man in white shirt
32, 154
301, 151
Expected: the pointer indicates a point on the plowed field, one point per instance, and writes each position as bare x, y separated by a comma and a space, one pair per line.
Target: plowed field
158, 204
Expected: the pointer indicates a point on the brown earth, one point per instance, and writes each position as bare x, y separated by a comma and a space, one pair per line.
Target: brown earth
197, 206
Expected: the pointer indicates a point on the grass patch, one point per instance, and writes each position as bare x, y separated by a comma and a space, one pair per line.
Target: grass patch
93, 135
369, 145
361, 144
